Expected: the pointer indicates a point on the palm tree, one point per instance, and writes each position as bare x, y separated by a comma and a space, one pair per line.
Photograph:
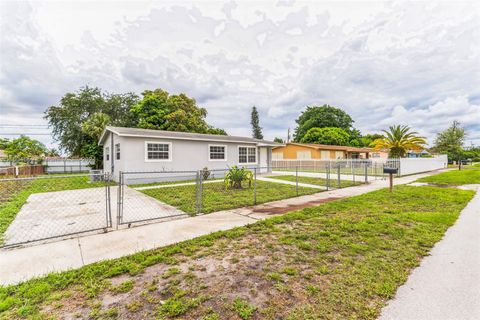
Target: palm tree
398, 140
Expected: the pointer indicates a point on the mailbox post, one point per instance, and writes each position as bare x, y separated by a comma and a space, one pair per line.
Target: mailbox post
391, 172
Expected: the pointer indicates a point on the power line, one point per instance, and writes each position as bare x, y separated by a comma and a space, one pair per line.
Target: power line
24, 125
25, 134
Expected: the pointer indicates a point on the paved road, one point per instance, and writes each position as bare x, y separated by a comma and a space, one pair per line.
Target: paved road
446, 286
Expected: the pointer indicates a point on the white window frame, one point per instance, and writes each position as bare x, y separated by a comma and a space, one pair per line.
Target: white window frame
107, 154
170, 157
256, 154
217, 145
117, 151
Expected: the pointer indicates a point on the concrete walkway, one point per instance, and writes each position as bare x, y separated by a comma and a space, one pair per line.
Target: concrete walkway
446, 285
21, 264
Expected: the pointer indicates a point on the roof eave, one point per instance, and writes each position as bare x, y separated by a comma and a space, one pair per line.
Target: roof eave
104, 134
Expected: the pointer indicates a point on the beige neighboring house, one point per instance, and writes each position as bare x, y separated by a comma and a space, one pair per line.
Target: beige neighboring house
381, 154
312, 151
2, 155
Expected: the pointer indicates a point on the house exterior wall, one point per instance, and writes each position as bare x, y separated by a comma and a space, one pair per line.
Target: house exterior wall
291, 152
186, 155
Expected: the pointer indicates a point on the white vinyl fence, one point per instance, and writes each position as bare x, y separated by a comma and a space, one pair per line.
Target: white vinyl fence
418, 165
405, 166
62, 165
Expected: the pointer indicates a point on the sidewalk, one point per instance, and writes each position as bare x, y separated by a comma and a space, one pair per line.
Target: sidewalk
446, 285
20, 264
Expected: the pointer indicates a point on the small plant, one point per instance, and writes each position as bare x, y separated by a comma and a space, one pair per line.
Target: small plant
170, 272
243, 309
205, 173
235, 176
123, 287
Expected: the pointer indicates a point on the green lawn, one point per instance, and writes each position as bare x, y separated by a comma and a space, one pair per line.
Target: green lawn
343, 260
319, 181
217, 198
164, 183
15, 192
470, 175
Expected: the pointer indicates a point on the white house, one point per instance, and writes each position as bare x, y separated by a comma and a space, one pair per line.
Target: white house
133, 149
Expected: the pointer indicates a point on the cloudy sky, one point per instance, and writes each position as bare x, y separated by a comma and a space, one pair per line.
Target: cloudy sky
415, 63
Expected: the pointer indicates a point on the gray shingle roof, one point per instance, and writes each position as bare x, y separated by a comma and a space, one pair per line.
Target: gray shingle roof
137, 132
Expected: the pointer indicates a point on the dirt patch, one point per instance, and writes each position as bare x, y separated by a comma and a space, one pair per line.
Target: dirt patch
293, 207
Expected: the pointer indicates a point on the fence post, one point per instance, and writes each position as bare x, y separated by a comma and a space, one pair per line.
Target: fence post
108, 204
296, 180
339, 185
200, 192
197, 191
366, 172
328, 174
353, 172
254, 186
119, 198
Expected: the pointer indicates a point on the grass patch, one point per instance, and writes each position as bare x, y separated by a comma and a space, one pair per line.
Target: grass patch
469, 175
243, 309
361, 249
166, 183
216, 197
14, 193
319, 181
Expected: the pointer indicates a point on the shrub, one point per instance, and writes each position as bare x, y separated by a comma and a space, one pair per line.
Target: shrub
205, 173
235, 176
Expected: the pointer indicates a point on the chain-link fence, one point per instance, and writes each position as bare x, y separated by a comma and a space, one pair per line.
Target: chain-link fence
348, 169
46, 207
145, 196
42, 208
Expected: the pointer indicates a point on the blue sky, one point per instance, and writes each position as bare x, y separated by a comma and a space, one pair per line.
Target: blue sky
415, 63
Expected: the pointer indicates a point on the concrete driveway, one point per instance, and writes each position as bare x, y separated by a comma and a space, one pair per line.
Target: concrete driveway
53, 214
139, 207
63, 213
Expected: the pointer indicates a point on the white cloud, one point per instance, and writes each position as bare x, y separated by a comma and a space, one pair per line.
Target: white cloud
415, 63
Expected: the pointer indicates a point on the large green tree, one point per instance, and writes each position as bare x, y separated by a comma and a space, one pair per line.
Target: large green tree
75, 108
329, 135
25, 148
450, 141
255, 122
366, 140
160, 110
323, 117
94, 127
3, 143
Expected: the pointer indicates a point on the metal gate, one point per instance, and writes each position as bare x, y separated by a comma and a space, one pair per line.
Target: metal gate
142, 197
47, 207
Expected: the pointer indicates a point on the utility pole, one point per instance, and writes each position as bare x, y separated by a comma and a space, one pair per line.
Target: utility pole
288, 135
